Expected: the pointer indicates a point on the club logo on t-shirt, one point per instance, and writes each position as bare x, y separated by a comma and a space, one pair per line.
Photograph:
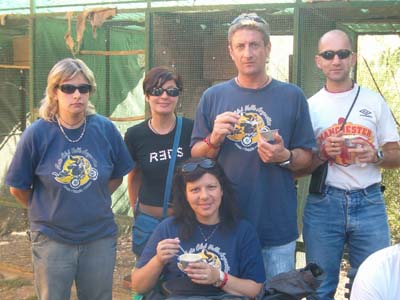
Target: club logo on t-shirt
346, 158
212, 255
252, 121
75, 170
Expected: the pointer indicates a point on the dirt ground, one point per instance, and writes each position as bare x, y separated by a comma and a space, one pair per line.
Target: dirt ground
16, 278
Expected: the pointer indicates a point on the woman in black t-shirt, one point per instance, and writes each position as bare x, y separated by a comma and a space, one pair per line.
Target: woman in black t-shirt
151, 142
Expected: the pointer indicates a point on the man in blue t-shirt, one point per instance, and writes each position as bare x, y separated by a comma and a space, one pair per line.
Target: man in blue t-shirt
260, 130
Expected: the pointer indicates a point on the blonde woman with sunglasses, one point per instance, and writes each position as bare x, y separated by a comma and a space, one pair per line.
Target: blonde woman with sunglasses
66, 166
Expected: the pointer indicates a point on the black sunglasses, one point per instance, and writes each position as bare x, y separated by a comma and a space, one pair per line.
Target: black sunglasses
172, 92
248, 17
330, 54
70, 88
191, 166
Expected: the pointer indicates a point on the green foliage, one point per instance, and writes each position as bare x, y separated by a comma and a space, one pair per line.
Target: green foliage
382, 74
391, 180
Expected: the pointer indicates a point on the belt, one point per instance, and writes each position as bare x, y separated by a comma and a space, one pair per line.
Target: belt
365, 191
154, 211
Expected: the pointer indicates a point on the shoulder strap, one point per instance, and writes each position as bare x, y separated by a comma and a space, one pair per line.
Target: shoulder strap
171, 165
351, 107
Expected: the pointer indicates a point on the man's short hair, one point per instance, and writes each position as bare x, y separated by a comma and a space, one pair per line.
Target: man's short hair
249, 21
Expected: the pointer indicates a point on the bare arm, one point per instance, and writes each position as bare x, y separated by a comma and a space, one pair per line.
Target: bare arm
315, 162
224, 124
327, 151
366, 153
242, 287
22, 196
134, 182
202, 149
203, 273
391, 159
113, 184
276, 153
301, 159
146, 277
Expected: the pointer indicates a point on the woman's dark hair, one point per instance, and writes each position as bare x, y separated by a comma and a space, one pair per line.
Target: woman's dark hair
157, 76
183, 213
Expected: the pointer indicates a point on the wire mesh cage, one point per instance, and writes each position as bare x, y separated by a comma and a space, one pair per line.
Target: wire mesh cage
120, 40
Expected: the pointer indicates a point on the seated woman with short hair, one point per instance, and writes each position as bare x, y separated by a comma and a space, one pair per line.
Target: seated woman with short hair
205, 222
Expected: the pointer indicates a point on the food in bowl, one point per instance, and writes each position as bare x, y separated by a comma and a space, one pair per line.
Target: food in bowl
185, 259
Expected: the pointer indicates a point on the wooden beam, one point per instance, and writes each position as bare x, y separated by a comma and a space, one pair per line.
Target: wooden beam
127, 119
111, 53
15, 67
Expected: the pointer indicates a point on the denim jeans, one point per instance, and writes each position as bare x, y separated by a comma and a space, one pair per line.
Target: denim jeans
279, 259
57, 265
337, 218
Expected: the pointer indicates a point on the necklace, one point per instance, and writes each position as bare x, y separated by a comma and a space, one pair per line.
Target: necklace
336, 92
72, 126
264, 84
159, 133
206, 239
67, 137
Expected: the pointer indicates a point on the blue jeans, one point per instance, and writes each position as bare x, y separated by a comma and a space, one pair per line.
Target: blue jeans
57, 265
279, 259
337, 218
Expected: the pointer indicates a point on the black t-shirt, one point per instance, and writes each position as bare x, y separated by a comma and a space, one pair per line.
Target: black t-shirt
152, 153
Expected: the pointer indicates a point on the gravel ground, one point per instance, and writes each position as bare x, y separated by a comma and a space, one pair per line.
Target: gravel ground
16, 278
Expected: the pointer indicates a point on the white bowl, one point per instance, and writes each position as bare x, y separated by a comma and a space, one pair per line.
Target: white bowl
185, 259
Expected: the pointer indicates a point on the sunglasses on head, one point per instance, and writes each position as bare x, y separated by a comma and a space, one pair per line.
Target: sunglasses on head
191, 166
245, 18
172, 92
70, 88
330, 54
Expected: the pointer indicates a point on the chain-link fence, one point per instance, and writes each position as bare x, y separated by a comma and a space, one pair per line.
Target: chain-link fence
119, 40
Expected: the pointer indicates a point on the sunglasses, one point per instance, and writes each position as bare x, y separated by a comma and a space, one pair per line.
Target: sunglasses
172, 92
70, 88
191, 166
330, 54
245, 18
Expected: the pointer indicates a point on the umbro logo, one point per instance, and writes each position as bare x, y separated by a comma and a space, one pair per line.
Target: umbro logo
365, 113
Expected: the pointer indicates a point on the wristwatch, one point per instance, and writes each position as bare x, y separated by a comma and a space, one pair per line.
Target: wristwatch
287, 162
380, 155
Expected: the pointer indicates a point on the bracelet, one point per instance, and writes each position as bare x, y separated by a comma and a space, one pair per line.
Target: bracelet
224, 281
208, 142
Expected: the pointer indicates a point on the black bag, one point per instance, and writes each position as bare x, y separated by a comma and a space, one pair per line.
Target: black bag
292, 285
142, 229
318, 178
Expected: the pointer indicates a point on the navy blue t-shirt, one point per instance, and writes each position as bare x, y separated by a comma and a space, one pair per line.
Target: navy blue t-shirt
235, 250
266, 192
70, 202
